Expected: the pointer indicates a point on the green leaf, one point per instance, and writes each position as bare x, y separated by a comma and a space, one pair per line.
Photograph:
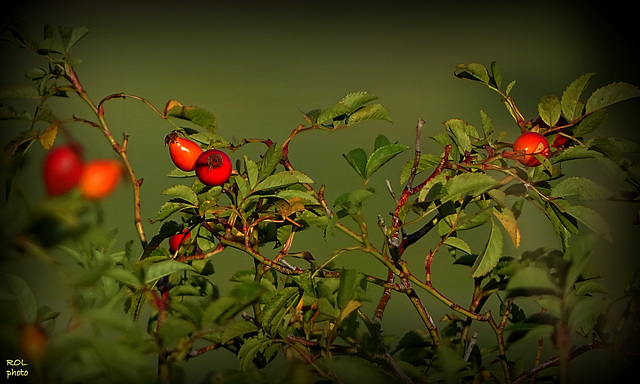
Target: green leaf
226, 307
24, 296
164, 268
487, 124
381, 141
252, 171
590, 122
583, 188
550, 109
196, 115
333, 112
19, 91
426, 161
356, 100
571, 105
574, 153
237, 328
473, 71
353, 199
531, 281
283, 179
269, 161
284, 298
71, 36
491, 254
357, 158
496, 75
472, 184
347, 287
592, 220
169, 209
182, 192
611, 94
381, 156
250, 350
124, 277
368, 113
458, 243
509, 223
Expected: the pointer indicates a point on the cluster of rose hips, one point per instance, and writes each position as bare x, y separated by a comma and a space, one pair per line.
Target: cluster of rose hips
532, 143
212, 167
64, 168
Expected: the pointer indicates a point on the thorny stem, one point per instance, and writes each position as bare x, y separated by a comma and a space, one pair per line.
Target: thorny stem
119, 149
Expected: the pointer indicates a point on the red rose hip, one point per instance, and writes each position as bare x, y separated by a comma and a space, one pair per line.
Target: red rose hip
62, 169
531, 143
213, 167
183, 152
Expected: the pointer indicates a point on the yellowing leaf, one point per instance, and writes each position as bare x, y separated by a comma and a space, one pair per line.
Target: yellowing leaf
49, 135
510, 224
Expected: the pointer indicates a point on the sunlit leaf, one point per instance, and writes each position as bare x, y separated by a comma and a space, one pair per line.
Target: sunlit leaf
492, 252
549, 109
368, 113
356, 100
509, 223
49, 135
182, 192
458, 243
473, 71
611, 94
283, 179
357, 158
381, 156
164, 268
571, 105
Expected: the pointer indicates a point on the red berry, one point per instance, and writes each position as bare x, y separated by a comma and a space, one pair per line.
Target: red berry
531, 143
32, 342
213, 167
100, 178
176, 241
560, 140
183, 152
61, 169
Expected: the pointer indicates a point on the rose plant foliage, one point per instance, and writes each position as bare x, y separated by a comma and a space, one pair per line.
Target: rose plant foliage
141, 316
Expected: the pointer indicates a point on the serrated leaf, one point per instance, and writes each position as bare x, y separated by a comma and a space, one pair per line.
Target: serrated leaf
237, 328
381, 156
496, 75
196, 115
252, 171
571, 105
164, 268
71, 35
491, 254
357, 158
49, 135
487, 124
283, 179
356, 100
509, 223
590, 122
168, 209
611, 94
368, 113
458, 243
426, 161
581, 187
472, 184
549, 109
346, 288
473, 71
381, 141
331, 112
284, 298
531, 281
573, 153
182, 192
352, 199
592, 220
269, 161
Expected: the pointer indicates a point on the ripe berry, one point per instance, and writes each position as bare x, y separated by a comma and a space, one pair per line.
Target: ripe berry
531, 143
213, 167
183, 152
179, 239
100, 178
32, 342
61, 169
560, 140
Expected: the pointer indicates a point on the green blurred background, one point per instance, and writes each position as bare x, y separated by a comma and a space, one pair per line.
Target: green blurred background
256, 65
